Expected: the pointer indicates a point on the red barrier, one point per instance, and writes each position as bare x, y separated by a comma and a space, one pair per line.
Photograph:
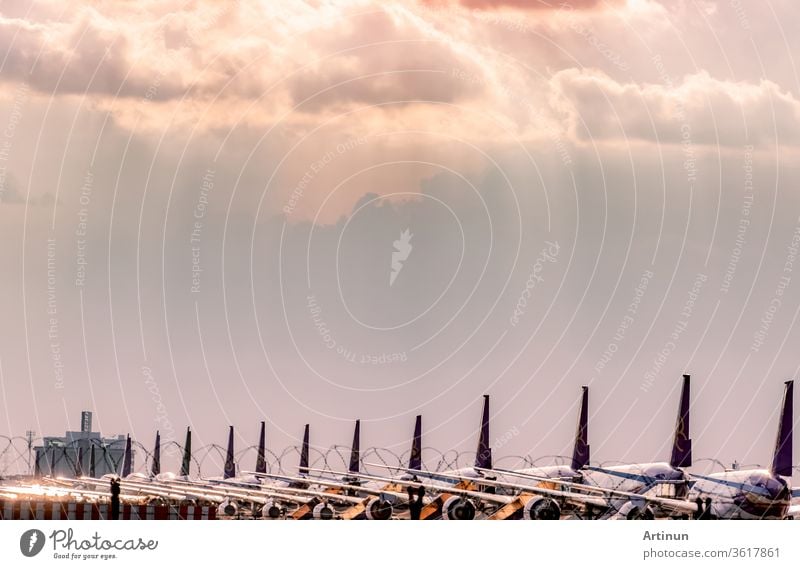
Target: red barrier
71, 510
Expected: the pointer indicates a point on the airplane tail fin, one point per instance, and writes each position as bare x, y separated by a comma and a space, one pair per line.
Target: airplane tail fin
483, 458
261, 460
415, 459
355, 450
304, 453
580, 453
782, 460
127, 461
156, 468
682, 444
187, 453
230, 466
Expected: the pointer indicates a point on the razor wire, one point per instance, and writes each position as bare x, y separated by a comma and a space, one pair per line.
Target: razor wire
17, 458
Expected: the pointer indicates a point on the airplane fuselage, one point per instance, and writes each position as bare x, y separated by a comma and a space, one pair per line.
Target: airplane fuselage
652, 479
636, 478
743, 494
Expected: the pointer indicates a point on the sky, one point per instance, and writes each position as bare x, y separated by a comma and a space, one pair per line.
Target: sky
312, 211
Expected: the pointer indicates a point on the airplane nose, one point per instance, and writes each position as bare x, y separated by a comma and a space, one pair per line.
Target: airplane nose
780, 492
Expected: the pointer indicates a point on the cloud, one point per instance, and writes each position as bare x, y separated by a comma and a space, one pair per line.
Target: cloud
213, 61
361, 65
698, 106
86, 55
524, 4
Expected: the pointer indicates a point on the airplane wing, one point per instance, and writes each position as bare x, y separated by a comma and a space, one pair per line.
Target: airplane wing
186, 491
579, 494
57, 491
675, 505
483, 496
330, 483
127, 486
265, 493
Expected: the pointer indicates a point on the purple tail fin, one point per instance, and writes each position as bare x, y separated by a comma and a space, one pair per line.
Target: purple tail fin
230, 467
261, 460
187, 453
92, 470
155, 470
782, 461
483, 458
415, 458
580, 453
682, 444
127, 461
355, 450
304, 453
79, 463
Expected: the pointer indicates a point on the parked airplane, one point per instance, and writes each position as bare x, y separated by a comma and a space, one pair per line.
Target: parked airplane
580, 454
666, 479
736, 494
624, 480
759, 493
252, 483
483, 476
155, 467
620, 484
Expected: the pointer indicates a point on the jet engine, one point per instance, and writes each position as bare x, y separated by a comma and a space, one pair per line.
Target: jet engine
637, 511
379, 509
227, 508
323, 511
458, 508
271, 511
541, 509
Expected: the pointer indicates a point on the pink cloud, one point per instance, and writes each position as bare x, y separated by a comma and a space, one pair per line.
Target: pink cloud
524, 4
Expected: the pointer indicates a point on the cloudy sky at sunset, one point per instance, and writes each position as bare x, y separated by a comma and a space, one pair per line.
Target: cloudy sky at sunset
299, 211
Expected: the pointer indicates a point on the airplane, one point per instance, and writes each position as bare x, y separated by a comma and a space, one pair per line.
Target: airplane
734, 494
379, 498
229, 491
666, 479
455, 504
156, 477
271, 500
635, 491
155, 467
285, 488
620, 484
757, 493
483, 455
580, 454
492, 480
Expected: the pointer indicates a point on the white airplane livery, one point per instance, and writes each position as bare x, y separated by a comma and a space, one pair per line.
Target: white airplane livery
753, 494
664, 479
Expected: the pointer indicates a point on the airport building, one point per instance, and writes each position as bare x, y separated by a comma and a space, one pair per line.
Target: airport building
80, 452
